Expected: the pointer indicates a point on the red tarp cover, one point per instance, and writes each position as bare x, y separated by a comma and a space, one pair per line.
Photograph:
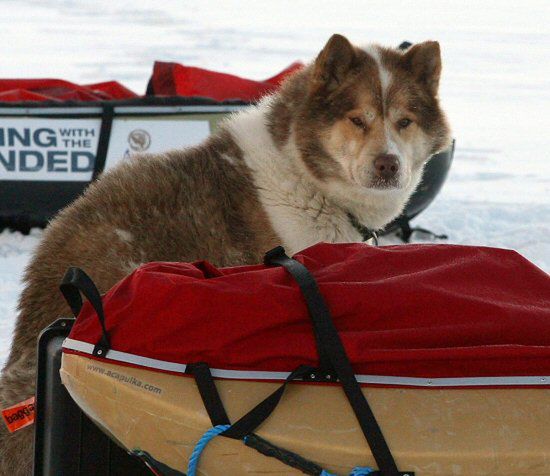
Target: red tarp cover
15, 90
429, 311
169, 79
172, 79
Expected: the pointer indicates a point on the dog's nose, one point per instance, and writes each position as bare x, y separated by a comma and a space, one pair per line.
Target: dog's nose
386, 166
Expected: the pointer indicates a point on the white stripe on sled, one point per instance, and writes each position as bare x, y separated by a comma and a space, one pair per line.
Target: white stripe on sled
87, 348
133, 359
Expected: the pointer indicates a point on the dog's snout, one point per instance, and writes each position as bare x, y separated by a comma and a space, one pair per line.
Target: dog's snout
386, 166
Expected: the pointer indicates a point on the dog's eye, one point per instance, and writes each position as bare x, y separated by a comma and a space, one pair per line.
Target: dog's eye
404, 123
357, 121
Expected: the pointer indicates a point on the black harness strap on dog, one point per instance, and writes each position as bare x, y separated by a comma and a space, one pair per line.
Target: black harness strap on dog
366, 233
75, 282
330, 341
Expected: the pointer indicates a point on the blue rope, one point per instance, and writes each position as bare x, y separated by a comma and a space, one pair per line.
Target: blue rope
199, 448
215, 431
357, 471
361, 471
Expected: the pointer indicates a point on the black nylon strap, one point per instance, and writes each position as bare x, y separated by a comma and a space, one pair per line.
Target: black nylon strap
244, 427
288, 457
251, 420
325, 372
104, 139
75, 282
255, 417
209, 394
214, 407
330, 341
155, 466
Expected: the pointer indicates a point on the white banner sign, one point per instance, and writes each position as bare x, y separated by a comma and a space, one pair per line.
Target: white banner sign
130, 136
48, 149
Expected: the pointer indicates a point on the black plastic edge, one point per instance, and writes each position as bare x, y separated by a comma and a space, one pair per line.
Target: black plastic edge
60, 327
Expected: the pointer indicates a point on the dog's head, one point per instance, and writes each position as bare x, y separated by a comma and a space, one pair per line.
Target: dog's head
369, 120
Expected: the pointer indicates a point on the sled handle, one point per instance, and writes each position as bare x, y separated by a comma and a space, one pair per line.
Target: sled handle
74, 282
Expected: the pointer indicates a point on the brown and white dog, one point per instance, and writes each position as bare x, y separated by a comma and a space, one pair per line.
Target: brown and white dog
349, 134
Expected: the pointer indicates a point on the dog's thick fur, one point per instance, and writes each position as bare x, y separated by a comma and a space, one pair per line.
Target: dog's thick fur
287, 171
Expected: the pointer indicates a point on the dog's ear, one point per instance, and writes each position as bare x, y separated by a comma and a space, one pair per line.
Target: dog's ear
423, 60
333, 63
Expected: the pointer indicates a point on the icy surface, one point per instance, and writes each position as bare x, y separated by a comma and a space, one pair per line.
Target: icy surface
495, 87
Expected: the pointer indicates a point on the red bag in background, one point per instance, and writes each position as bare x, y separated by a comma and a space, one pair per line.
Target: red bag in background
172, 79
169, 79
16, 90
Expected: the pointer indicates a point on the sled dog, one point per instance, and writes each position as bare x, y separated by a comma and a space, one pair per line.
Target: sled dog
339, 148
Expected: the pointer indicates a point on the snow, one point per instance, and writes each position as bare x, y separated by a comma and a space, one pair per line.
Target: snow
495, 87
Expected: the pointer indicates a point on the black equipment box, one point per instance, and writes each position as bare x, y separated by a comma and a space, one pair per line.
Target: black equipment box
67, 443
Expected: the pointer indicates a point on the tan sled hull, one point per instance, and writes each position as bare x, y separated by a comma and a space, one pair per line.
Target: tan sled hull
431, 432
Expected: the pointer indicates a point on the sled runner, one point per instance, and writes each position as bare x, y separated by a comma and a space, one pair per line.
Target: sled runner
425, 360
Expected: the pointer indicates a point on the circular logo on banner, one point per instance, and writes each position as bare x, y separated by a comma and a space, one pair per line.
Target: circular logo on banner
139, 140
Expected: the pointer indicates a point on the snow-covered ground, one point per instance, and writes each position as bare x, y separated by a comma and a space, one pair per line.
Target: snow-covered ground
495, 87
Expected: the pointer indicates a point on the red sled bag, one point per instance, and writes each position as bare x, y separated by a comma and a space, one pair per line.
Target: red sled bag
16, 90
350, 315
173, 79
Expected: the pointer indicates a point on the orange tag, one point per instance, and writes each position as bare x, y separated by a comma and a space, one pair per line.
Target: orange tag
20, 415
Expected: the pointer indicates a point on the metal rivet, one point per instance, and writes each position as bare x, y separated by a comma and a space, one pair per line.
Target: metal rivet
543, 379
63, 324
312, 376
99, 352
328, 377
